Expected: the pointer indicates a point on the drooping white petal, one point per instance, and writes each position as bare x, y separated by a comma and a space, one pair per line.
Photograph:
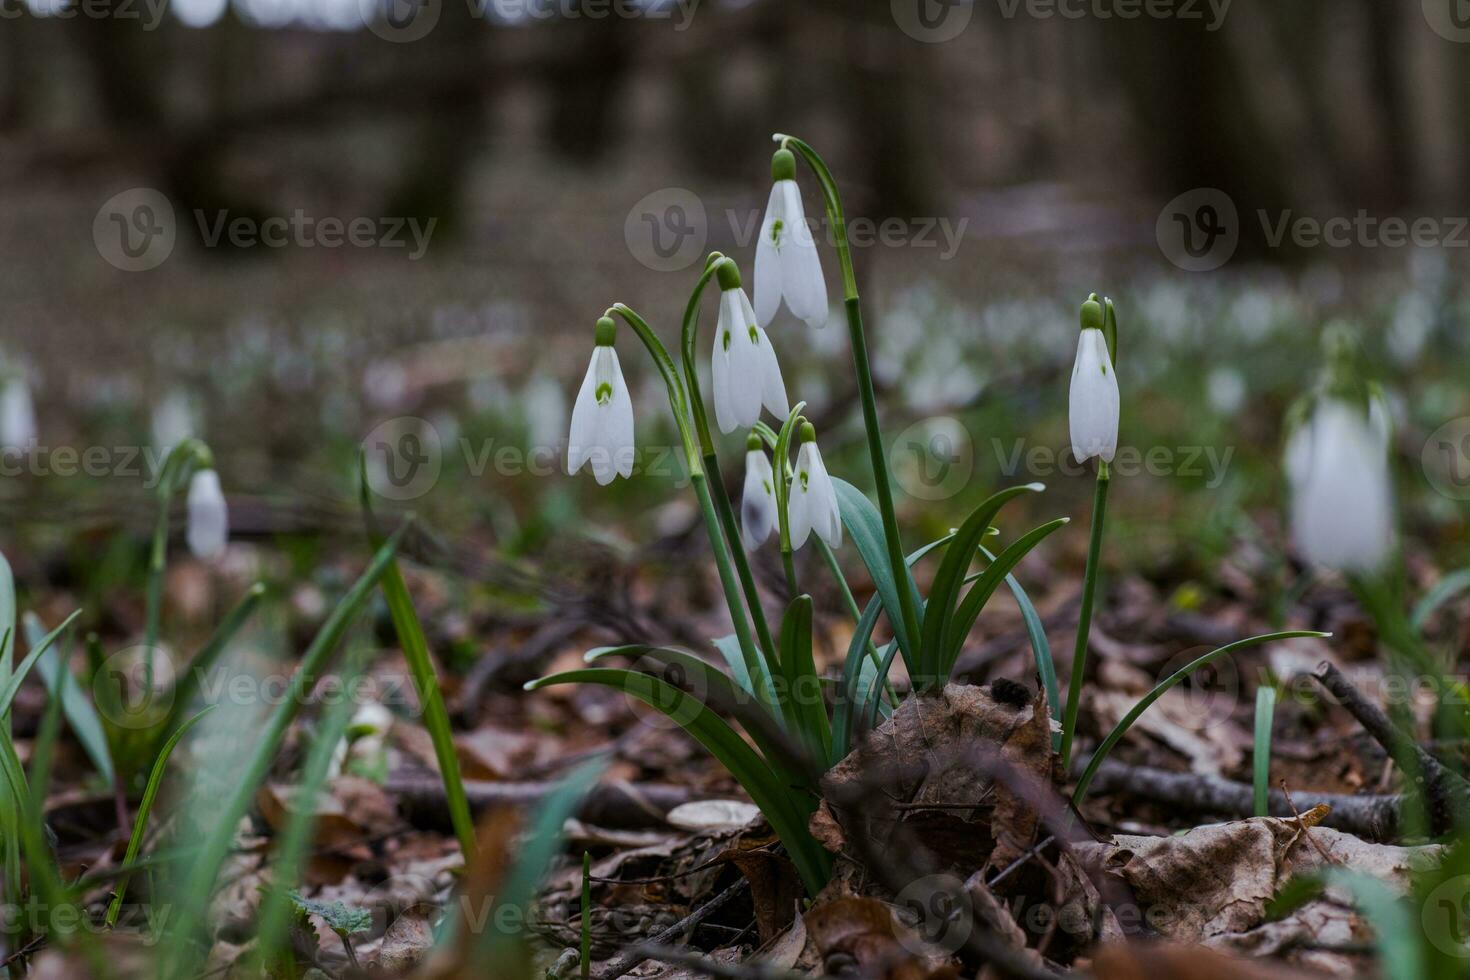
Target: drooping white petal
738, 354
1342, 512
209, 517
17, 414
602, 420
720, 364
758, 516
772, 386
801, 270
811, 504
767, 259
1093, 399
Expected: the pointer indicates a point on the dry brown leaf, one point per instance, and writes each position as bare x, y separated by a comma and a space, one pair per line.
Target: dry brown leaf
1160, 961
860, 935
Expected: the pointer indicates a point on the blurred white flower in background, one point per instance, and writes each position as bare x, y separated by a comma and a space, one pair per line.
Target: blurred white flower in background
209, 516
1226, 389
175, 418
1341, 495
545, 408
17, 414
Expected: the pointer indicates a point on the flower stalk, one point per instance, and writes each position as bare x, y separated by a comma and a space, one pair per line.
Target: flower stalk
853, 308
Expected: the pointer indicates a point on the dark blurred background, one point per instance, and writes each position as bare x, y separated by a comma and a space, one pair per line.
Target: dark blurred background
555, 157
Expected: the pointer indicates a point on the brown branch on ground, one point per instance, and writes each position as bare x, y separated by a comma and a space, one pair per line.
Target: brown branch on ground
609, 804
1372, 816
1446, 792
627, 960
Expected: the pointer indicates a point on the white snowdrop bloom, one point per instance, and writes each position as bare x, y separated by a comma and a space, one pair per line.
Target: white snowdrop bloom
786, 263
758, 514
209, 516
1093, 400
602, 418
743, 364
1341, 492
17, 414
1226, 389
811, 504
545, 410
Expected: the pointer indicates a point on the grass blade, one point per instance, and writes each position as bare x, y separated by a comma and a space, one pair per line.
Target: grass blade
1261, 750
81, 714
807, 708
1046, 668
785, 808
145, 807
13, 682
186, 685
1121, 728
313, 663
865, 526
1444, 590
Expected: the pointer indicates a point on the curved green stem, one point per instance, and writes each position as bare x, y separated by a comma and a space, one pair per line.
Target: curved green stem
864, 375
1084, 616
179, 465
688, 337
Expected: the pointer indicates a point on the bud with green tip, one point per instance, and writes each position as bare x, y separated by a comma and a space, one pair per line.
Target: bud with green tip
1093, 399
786, 262
743, 363
758, 514
811, 503
602, 418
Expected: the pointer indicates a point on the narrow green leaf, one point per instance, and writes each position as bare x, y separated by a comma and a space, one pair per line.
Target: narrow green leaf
1121, 728
974, 602
145, 807
81, 715
1040, 649
803, 694
206, 867
1261, 750
7, 619
13, 682
945, 589
865, 526
853, 693
785, 807
1444, 590
181, 696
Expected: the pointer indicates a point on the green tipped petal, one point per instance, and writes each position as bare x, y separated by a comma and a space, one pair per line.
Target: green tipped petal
783, 165
607, 330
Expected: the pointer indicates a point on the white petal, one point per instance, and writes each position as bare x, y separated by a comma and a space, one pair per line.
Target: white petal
584, 422
1093, 399
612, 451
767, 283
1342, 513
747, 361
719, 368
209, 517
801, 502
758, 502
801, 270
18, 415
773, 388
826, 516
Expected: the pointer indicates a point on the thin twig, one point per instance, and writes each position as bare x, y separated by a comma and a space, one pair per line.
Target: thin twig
626, 961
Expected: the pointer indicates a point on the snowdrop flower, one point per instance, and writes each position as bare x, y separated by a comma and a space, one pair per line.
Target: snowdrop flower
209, 516
758, 514
743, 365
811, 504
1341, 494
1093, 399
602, 418
17, 414
786, 263
173, 421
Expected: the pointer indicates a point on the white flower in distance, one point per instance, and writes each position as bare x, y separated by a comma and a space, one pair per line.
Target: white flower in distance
602, 418
743, 365
758, 514
786, 263
1093, 399
17, 414
1341, 493
811, 504
209, 516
